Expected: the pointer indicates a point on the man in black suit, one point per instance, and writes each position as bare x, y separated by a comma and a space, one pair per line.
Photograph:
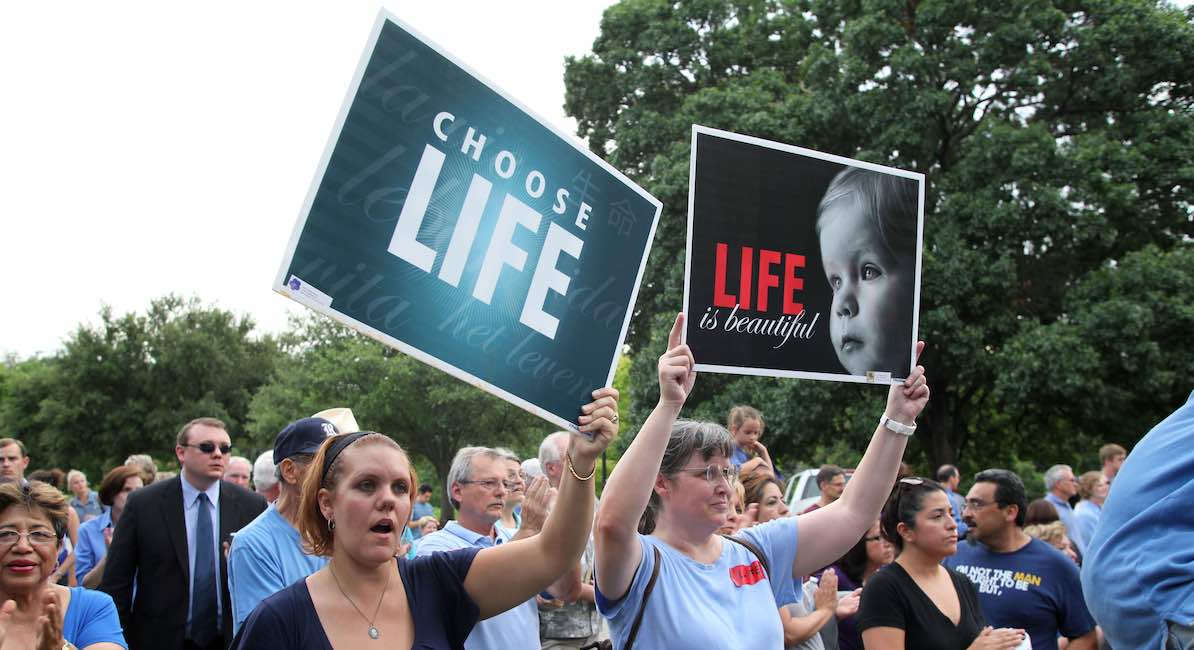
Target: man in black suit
181, 598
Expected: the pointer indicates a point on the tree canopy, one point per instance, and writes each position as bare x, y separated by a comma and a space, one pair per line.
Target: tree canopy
126, 384
1057, 141
430, 413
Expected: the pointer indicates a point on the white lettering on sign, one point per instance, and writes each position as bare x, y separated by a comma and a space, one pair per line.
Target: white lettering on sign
501, 251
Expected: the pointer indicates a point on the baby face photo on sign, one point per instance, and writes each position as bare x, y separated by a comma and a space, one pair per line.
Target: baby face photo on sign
800, 263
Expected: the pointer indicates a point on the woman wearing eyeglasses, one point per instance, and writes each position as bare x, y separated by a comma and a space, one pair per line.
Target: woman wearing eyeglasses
35, 613
916, 602
358, 496
708, 591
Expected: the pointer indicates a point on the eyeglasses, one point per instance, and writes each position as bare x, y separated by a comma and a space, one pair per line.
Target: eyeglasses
977, 504
35, 537
210, 447
491, 484
714, 472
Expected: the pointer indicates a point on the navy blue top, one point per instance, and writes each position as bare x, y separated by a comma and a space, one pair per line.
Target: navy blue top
1035, 588
442, 610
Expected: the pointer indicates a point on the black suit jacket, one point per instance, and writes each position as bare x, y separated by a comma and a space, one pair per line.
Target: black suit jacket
150, 545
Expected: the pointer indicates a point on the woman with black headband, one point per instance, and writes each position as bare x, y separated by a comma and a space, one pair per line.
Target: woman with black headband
356, 501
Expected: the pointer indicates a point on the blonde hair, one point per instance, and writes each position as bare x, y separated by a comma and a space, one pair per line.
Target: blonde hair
1050, 533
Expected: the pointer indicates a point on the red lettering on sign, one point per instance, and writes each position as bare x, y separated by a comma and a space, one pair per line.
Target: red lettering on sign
747, 574
768, 279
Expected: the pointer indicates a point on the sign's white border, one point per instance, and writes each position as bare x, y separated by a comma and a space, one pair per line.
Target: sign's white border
280, 279
698, 130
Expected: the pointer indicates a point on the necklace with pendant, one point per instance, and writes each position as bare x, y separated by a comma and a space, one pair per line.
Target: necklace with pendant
373, 633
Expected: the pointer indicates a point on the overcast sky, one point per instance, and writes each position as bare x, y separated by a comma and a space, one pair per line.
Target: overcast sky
157, 147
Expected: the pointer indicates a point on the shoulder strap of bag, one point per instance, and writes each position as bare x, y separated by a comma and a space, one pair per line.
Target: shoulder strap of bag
642, 606
753, 549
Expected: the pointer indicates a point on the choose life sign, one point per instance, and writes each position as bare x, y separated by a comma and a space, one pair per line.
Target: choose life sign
448, 221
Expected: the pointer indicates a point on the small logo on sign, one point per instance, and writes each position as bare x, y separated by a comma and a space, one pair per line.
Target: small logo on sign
295, 284
747, 574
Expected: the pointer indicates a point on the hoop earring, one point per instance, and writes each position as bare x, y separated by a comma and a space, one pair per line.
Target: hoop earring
331, 525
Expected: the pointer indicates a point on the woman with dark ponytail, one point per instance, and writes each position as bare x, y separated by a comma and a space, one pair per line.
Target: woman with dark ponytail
915, 602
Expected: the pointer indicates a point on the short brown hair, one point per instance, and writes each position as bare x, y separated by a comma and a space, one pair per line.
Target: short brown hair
318, 538
1106, 452
114, 481
185, 432
36, 496
754, 484
4, 442
827, 473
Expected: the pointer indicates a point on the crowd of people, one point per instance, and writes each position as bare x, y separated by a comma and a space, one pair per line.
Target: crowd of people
329, 540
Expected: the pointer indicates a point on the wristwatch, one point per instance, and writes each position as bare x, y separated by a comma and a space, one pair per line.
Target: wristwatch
897, 427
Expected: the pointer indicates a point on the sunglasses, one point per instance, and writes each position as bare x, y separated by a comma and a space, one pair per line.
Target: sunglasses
210, 447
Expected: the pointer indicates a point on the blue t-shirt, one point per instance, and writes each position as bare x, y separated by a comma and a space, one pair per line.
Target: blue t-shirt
1139, 563
91, 618
442, 610
91, 548
90, 509
1036, 588
1066, 512
727, 604
408, 537
514, 629
957, 502
265, 557
1086, 518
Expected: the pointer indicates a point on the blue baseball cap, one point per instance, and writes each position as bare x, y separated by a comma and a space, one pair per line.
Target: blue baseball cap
302, 437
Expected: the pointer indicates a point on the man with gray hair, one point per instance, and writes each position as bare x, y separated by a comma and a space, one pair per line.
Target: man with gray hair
569, 622
268, 554
265, 481
1060, 487
238, 471
477, 485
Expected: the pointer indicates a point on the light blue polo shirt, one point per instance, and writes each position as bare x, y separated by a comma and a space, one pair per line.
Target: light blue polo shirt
1138, 571
1067, 517
266, 556
724, 605
516, 629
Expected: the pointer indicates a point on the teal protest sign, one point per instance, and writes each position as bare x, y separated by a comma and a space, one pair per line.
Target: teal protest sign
451, 223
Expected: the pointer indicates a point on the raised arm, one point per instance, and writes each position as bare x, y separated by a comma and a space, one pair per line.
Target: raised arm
545, 557
826, 533
629, 487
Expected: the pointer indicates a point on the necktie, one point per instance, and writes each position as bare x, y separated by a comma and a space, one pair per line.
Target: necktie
204, 623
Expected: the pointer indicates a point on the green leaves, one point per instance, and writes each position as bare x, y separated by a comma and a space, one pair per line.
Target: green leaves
1057, 140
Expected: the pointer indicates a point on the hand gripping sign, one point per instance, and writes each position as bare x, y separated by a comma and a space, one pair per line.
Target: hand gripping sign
451, 223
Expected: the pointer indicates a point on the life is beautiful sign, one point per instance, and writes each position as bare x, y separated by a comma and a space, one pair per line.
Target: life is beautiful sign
800, 263
450, 222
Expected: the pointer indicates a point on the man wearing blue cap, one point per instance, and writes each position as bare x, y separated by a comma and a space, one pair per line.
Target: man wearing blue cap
267, 555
